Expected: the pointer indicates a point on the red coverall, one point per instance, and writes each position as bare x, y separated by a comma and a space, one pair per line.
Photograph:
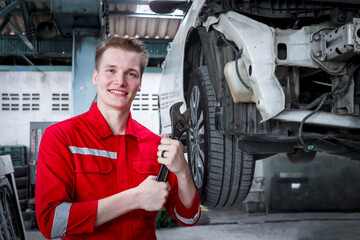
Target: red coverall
81, 161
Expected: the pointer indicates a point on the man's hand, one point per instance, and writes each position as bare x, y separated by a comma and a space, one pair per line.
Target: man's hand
173, 157
151, 194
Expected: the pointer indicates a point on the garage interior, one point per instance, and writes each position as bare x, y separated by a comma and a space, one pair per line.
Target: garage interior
46, 63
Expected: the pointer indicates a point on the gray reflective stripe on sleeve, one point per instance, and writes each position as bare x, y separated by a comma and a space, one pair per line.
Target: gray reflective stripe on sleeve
188, 221
93, 152
60, 221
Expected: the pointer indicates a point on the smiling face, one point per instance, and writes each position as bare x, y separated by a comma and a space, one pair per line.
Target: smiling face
117, 78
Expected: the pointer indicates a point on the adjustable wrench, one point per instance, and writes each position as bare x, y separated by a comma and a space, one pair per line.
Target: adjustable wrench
179, 125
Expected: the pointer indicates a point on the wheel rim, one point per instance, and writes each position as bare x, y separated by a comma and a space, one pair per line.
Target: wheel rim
196, 138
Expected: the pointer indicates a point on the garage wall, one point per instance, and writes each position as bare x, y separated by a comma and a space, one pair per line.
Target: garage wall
31, 96
46, 97
328, 183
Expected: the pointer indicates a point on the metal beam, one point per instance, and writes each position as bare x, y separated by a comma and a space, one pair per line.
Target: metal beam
62, 47
128, 2
23, 56
41, 68
145, 15
157, 48
35, 11
26, 41
4, 23
132, 2
55, 47
31, 19
83, 65
26, 17
29, 61
6, 10
153, 70
29, 0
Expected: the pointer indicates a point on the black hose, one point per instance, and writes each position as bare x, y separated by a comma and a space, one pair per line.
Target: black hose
338, 90
238, 55
309, 147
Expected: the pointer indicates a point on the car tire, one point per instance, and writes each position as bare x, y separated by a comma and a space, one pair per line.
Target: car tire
9, 218
221, 171
20, 171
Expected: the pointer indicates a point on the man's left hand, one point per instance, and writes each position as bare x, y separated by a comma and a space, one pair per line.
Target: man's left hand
171, 154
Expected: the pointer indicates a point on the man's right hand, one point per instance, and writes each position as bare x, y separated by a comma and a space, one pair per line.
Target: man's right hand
151, 194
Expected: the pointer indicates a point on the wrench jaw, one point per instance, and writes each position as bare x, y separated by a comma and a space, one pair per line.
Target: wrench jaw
179, 125
179, 121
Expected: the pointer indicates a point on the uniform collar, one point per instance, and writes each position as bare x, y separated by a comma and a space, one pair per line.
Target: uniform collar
103, 129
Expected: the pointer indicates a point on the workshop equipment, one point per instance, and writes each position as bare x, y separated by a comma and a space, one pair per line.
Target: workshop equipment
11, 222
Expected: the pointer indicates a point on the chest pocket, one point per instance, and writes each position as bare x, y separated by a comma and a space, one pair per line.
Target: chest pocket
144, 164
148, 166
93, 177
92, 164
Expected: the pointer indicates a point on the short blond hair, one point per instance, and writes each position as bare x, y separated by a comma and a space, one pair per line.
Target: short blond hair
127, 44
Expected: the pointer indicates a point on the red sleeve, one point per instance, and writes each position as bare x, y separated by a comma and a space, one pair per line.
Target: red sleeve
56, 212
175, 208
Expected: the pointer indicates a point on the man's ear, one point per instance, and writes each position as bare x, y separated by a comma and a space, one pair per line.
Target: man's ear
139, 88
94, 78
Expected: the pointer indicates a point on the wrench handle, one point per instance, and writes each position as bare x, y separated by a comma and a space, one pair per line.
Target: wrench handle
164, 171
163, 174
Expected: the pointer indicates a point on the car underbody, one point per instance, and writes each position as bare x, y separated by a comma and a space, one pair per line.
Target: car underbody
312, 101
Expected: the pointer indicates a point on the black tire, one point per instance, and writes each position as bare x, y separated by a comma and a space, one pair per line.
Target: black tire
21, 193
23, 204
10, 222
21, 182
20, 171
221, 171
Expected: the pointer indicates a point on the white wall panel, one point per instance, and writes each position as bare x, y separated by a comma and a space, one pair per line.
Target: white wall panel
46, 97
31, 96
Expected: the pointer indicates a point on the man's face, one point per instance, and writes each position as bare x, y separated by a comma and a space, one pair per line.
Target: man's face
117, 79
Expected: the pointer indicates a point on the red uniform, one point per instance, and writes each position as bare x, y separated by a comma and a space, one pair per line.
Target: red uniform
81, 161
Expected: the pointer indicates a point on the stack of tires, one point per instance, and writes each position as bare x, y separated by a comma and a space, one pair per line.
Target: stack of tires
21, 180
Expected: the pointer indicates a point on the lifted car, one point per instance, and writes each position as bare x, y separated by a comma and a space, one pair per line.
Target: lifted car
262, 77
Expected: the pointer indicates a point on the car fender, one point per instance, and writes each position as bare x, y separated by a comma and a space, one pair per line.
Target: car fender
171, 84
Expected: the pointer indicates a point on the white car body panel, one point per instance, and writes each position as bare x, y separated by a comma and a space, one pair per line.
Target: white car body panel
258, 52
171, 87
257, 41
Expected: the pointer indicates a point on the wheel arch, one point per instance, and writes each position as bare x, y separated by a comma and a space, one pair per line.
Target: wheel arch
206, 47
207, 42
193, 41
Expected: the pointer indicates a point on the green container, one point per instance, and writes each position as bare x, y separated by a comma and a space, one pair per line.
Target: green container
19, 162
16, 152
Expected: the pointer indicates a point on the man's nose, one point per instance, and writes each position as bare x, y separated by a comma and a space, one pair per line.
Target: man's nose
120, 79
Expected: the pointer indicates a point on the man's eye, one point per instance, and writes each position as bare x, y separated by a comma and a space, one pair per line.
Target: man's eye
110, 70
132, 74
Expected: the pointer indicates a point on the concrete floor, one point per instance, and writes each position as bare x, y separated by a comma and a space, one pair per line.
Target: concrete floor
231, 224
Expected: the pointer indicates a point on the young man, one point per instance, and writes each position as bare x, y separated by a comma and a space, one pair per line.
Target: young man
96, 173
